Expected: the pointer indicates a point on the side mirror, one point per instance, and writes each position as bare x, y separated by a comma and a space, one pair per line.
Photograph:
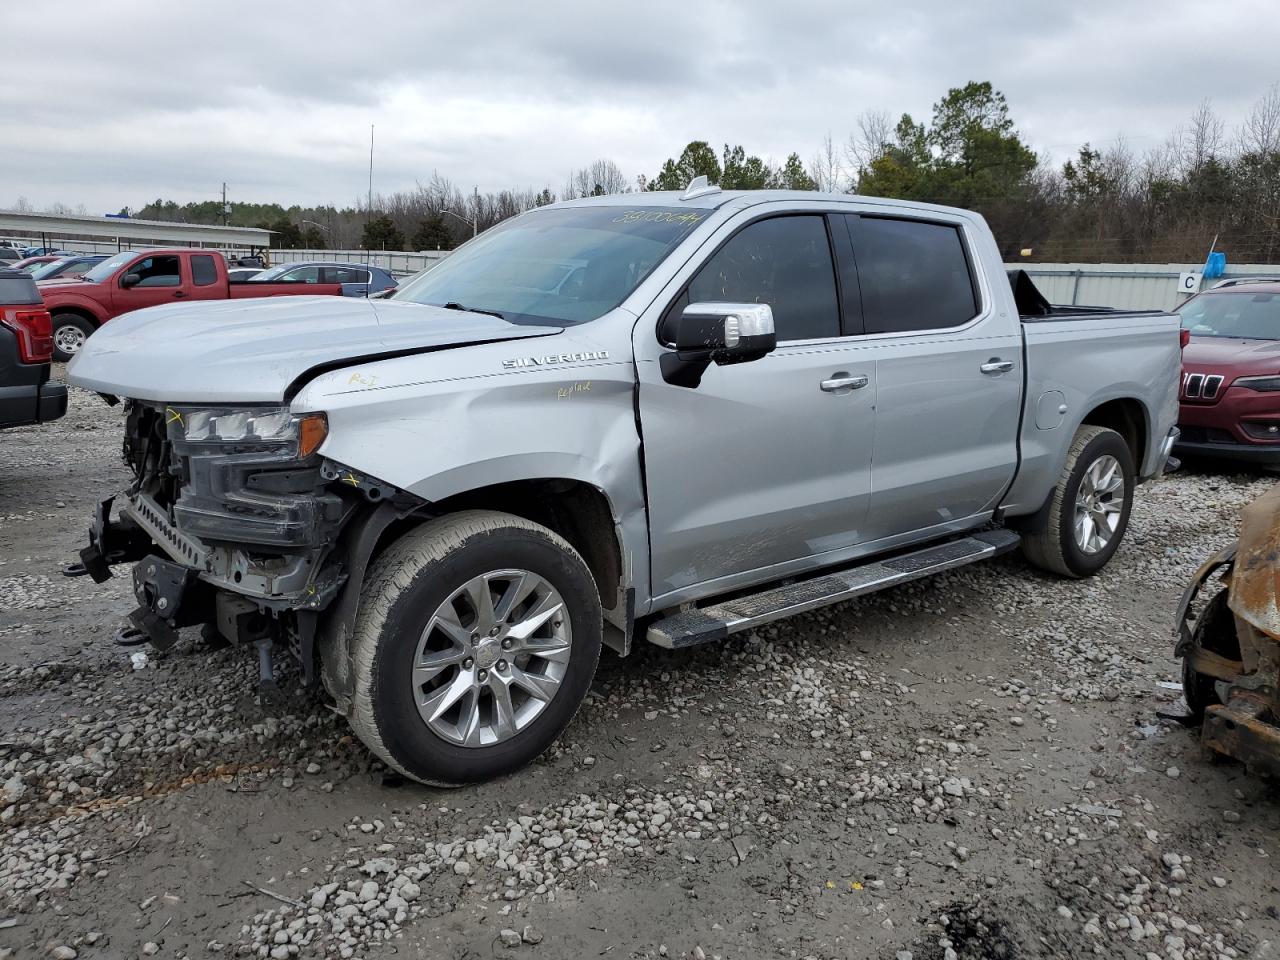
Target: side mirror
720, 333
130, 280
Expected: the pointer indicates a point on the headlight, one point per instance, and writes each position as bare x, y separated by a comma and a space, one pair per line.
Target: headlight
247, 425
1261, 384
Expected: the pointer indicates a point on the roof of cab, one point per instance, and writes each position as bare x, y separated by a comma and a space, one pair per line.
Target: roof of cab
715, 199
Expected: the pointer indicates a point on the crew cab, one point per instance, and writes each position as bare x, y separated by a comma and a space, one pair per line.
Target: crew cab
135, 279
27, 394
666, 418
1231, 373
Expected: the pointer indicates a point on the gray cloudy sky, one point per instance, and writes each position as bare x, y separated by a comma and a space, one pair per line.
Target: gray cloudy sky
116, 103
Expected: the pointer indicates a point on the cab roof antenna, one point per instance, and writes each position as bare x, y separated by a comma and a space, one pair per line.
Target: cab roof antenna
698, 187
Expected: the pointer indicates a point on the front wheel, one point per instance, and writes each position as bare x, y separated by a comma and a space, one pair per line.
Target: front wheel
1215, 631
69, 334
1089, 507
477, 639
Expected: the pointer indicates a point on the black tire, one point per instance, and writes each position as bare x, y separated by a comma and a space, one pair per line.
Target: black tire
1055, 548
1215, 631
404, 588
74, 327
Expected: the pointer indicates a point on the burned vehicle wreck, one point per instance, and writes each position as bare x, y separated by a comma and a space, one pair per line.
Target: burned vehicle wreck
1230, 643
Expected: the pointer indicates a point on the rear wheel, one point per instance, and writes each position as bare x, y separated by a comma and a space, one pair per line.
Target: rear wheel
69, 334
1089, 507
478, 637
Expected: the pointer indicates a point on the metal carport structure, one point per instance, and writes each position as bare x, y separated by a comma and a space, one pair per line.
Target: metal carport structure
125, 232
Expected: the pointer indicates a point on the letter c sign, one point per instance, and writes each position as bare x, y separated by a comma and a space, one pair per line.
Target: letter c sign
1189, 282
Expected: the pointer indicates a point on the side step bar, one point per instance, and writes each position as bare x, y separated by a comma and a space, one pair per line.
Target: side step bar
709, 624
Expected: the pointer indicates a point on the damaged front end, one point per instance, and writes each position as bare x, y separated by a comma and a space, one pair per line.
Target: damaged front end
236, 522
1230, 644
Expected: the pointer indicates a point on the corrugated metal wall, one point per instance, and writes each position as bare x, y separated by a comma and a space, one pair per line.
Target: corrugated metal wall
1128, 286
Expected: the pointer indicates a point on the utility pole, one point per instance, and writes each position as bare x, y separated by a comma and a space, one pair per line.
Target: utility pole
475, 213
370, 201
225, 209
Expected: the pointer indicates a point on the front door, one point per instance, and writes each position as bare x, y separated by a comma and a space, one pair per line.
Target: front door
765, 465
160, 280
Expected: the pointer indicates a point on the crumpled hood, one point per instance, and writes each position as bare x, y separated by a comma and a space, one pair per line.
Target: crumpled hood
237, 351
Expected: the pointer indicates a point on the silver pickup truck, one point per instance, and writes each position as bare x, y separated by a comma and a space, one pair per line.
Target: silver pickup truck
662, 416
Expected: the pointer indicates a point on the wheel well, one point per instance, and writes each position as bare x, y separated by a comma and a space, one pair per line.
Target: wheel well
76, 312
1127, 418
575, 510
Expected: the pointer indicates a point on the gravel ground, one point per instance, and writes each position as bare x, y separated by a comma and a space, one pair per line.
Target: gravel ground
967, 767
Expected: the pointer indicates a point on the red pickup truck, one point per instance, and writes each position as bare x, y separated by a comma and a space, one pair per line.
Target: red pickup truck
135, 279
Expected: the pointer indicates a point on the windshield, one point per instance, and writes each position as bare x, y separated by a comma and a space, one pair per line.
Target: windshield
1241, 316
47, 269
109, 266
567, 265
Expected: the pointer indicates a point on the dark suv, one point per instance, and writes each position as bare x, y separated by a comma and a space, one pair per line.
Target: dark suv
1230, 394
27, 395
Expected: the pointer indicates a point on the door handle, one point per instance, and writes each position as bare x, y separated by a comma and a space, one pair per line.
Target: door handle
996, 365
179, 293
842, 381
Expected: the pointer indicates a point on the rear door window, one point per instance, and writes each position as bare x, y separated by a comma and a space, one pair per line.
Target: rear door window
204, 271
913, 274
345, 275
784, 262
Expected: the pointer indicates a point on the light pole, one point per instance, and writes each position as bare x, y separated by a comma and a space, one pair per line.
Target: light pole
473, 224
314, 224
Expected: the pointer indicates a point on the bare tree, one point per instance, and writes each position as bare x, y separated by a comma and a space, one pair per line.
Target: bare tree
826, 169
1205, 140
1260, 133
873, 134
602, 177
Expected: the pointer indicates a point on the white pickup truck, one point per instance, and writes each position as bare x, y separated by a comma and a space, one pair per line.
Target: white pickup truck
671, 416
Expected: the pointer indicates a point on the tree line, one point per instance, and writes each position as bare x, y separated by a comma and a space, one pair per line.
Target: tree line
1107, 203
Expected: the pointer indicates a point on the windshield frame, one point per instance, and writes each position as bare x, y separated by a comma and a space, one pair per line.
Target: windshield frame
115, 261
687, 223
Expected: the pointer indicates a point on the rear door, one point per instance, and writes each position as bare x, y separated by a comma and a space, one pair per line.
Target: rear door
354, 280
206, 280
161, 279
948, 374
764, 467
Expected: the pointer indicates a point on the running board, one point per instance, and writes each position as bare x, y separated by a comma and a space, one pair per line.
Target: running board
715, 622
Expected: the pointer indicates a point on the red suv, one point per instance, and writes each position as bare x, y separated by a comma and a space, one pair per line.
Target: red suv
1231, 372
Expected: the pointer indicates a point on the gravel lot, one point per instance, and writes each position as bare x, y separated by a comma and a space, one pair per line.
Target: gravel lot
967, 767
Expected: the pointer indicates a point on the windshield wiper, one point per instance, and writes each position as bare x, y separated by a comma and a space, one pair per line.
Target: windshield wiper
455, 305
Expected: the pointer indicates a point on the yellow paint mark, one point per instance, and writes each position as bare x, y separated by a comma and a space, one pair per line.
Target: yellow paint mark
173, 416
352, 479
856, 885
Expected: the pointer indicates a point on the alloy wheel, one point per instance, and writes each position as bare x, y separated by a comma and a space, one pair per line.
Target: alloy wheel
491, 658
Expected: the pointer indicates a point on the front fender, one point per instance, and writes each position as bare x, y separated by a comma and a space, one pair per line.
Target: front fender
63, 302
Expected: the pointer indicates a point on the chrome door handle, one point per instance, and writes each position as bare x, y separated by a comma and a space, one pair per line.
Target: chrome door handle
842, 381
996, 365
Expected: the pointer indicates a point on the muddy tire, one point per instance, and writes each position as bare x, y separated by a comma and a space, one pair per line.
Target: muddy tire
69, 334
477, 640
1215, 631
1089, 507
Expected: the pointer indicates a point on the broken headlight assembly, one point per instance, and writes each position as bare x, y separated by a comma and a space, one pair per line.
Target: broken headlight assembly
248, 425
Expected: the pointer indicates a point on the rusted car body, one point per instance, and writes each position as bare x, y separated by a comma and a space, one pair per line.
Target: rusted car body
1230, 645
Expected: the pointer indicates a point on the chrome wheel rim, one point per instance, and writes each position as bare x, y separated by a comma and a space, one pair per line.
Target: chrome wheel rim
69, 339
1099, 501
491, 658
